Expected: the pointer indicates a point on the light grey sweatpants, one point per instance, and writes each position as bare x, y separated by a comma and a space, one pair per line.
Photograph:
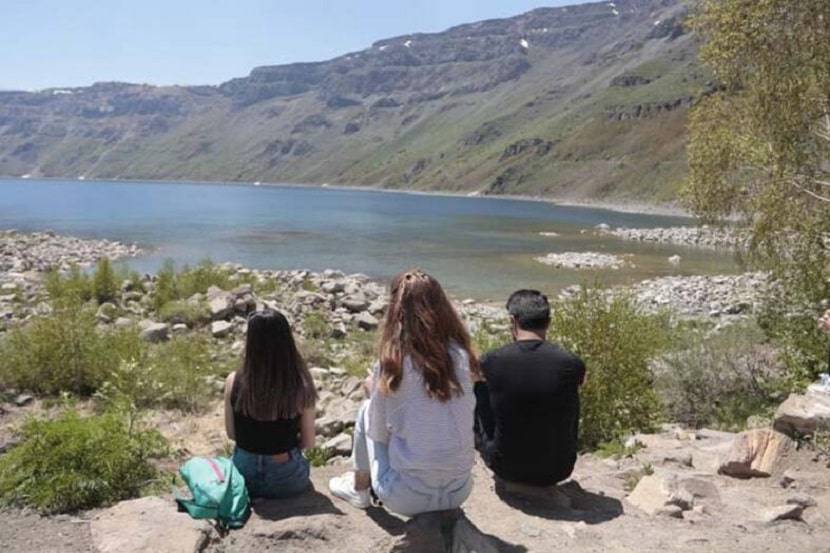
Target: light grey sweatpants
402, 494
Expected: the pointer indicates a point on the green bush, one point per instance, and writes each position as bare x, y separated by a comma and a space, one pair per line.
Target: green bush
104, 284
73, 463
184, 311
171, 285
316, 326
720, 380
616, 341
178, 374
64, 351
74, 287
792, 306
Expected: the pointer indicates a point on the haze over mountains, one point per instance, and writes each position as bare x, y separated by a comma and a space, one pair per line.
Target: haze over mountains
581, 102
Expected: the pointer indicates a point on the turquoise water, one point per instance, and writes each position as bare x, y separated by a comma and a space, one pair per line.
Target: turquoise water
477, 247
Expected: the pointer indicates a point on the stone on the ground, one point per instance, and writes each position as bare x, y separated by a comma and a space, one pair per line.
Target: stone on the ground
782, 512
220, 329
675, 260
355, 302
220, 307
803, 414
328, 427
23, 399
147, 525
155, 332
107, 311
666, 494
123, 322
340, 444
757, 452
179, 328
366, 321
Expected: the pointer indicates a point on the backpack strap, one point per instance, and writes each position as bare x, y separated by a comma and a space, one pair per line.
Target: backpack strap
216, 470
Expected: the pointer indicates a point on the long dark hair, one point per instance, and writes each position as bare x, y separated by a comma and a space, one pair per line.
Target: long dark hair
421, 323
273, 382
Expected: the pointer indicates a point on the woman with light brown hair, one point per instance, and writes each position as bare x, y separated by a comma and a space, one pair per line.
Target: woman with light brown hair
413, 439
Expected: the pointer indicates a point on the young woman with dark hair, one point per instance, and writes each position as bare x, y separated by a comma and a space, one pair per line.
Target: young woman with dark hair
269, 409
413, 439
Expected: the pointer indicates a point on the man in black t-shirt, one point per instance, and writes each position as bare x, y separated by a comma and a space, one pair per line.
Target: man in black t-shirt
527, 407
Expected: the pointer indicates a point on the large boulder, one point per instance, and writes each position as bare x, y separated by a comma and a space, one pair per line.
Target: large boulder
147, 525
756, 452
803, 414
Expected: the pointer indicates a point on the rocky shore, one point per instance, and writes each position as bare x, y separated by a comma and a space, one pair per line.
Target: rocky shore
698, 237
703, 296
44, 251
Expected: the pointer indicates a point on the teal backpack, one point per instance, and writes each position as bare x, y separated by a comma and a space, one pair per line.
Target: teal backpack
218, 491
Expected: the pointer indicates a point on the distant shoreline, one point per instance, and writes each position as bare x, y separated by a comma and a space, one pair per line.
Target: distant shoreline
619, 207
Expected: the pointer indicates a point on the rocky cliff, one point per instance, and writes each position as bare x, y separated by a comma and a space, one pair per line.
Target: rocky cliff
582, 101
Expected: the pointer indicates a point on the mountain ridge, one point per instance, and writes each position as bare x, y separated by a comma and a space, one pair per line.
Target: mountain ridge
579, 102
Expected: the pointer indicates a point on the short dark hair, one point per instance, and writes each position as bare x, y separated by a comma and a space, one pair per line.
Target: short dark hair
530, 308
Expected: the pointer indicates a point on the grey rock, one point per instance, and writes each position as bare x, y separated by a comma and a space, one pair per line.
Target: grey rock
147, 525
782, 512
155, 332
124, 322
220, 307
23, 400
340, 444
220, 329
366, 321
802, 414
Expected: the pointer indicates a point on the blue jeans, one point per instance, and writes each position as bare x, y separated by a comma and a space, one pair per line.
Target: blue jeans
265, 477
400, 493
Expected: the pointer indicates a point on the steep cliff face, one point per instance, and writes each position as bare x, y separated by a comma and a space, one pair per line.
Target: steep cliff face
580, 101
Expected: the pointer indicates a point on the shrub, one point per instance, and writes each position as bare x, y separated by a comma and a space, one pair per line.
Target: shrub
74, 287
198, 279
76, 463
104, 285
720, 380
184, 311
318, 456
616, 341
64, 351
165, 285
171, 285
360, 353
316, 326
486, 338
178, 374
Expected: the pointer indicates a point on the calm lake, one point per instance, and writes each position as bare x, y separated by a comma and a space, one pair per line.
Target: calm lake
477, 247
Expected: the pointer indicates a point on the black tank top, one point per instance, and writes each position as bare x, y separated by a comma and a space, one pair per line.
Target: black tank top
264, 437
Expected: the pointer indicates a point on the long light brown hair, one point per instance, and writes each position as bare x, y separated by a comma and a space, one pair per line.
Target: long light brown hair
421, 323
274, 381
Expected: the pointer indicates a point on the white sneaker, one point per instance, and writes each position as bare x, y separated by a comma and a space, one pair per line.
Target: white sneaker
343, 487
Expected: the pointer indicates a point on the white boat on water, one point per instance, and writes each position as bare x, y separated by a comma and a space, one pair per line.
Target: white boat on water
324, 185
26, 176
257, 183
82, 177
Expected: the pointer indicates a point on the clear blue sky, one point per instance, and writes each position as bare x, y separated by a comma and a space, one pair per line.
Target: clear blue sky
77, 42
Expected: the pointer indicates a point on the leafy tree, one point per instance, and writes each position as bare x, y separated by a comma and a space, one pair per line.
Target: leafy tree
760, 145
760, 149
